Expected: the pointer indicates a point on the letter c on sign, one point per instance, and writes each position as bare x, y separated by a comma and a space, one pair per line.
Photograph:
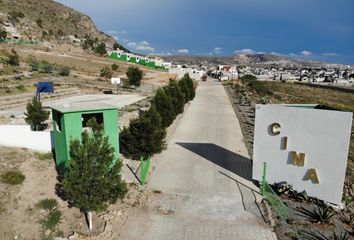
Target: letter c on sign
274, 129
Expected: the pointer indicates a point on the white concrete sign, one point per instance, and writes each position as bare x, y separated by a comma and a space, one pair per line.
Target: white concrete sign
115, 81
307, 148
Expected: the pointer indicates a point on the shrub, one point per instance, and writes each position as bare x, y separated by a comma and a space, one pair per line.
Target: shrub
144, 137
106, 72
3, 33
13, 177
135, 75
114, 67
163, 105
47, 204
45, 67
322, 215
190, 85
305, 235
248, 78
101, 48
36, 115
64, 71
34, 64
185, 89
52, 219
21, 87
13, 58
14, 16
39, 22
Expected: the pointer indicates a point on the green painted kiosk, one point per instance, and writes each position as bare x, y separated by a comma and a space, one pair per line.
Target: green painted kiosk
70, 120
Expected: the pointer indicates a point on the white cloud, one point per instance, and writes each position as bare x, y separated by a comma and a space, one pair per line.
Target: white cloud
306, 53
330, 54
245, 51
143, 46
216, 50
183, 51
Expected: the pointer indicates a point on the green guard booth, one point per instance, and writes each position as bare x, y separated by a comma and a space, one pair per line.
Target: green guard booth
70, 120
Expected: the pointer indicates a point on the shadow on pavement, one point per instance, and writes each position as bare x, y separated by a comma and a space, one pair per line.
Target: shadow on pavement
231, 161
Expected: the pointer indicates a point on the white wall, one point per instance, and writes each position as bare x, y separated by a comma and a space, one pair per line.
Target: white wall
22, 136
322, 135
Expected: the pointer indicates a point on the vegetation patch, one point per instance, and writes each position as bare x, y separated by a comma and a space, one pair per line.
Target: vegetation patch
52, 220
44, 156
47, 204
13, 177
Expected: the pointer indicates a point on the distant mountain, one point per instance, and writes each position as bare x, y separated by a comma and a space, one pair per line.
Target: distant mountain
254, 60
47, 20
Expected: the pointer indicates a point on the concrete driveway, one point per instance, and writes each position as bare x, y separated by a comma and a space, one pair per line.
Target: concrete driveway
205, 179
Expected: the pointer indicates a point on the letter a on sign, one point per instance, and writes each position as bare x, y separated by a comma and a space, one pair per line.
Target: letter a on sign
312, 175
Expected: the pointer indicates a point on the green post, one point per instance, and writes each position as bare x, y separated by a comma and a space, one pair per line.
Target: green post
264, 178
145, 165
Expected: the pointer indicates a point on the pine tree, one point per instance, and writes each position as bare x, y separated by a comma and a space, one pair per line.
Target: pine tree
144, 137
177, 96
36, 115
92, 179
164, 107
185, 88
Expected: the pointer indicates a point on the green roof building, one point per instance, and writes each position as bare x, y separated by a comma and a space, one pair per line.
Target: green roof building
70, 120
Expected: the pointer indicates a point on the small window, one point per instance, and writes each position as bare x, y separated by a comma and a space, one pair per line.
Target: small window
86, 117
58, 121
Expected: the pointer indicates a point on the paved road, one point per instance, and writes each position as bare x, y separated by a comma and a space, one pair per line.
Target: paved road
204, 178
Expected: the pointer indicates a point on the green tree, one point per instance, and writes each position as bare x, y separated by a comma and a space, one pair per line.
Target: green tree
164, 107
101, 48
135, 75
36, 115
177, 96
106, 73
93, 180
144, 137
185, 88
190, 85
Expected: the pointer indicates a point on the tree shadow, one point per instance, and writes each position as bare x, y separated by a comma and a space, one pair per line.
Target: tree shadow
222, 157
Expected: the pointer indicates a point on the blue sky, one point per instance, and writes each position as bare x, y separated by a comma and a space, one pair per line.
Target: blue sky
310, 29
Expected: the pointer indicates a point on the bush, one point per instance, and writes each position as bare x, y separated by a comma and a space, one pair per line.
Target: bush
106, 73
47, 204
14, 16
52, 219
114, 67
185, 89
135, 75
45, 67
101, 48
13, 177
39, 22
64, 71
144, 137
36, 115
190, 86
248, 78
323, 214
13, 58
3, 33
163, 105
34, 64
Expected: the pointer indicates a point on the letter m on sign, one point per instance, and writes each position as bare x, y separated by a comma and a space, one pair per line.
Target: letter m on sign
297, 159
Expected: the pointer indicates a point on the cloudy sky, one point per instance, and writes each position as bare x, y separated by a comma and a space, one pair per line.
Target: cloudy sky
310, 29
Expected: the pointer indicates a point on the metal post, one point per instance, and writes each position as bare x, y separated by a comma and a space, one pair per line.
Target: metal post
264, 178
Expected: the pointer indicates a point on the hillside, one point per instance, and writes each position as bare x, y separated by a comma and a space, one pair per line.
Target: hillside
43, 20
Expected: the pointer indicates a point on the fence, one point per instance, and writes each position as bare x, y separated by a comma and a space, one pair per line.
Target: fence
277, 204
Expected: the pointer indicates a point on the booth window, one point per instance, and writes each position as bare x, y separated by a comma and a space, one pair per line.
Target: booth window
88, 116
58, 121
